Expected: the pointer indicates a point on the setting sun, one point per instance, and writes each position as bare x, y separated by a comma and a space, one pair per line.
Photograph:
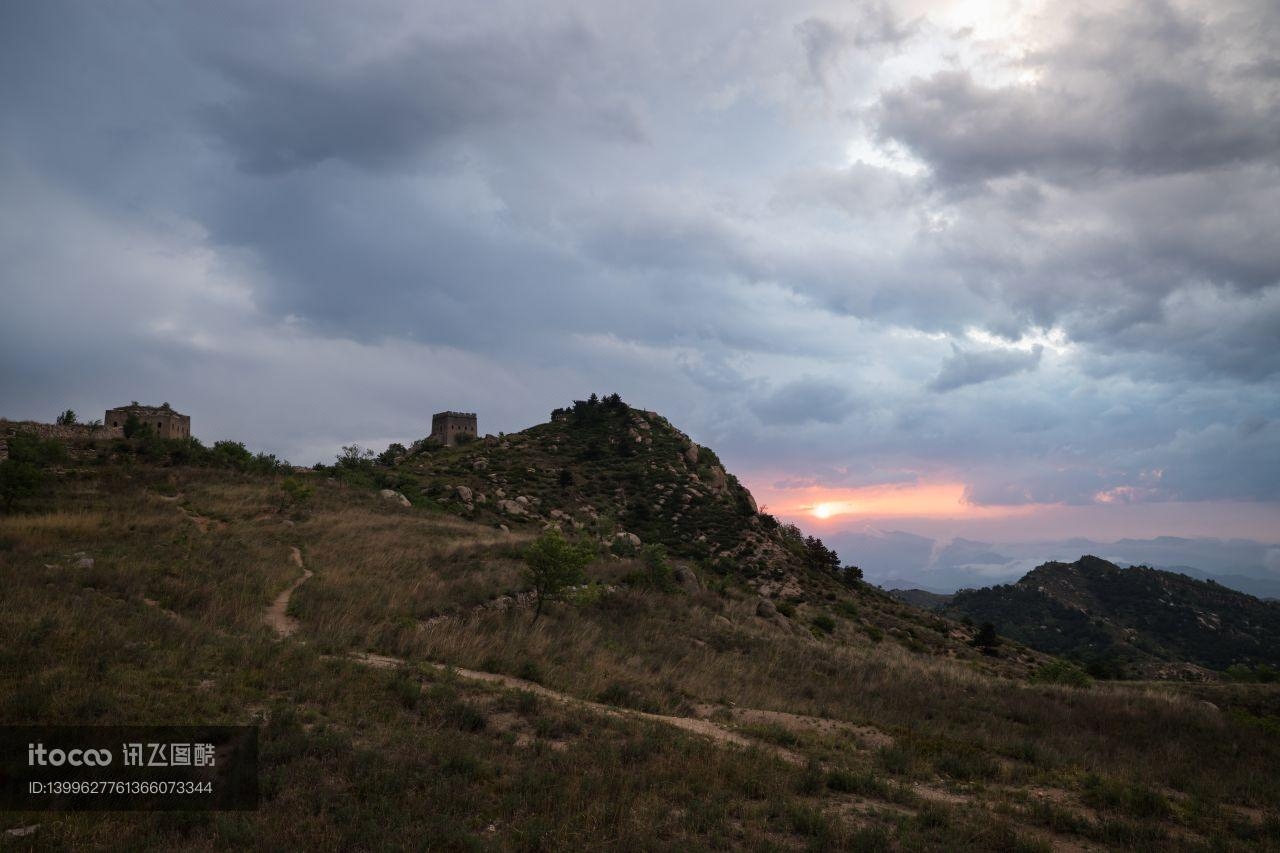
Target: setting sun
823, 511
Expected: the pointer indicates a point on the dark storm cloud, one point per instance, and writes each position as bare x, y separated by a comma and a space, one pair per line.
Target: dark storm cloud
971, 367
385, 111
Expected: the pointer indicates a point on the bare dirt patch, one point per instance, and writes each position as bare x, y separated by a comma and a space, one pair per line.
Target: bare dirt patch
277, 616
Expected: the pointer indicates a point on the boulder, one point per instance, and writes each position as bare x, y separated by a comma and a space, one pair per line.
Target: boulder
84, 563
765, 609
687, 579
717, 481
628, 537
691, 454
464, 493
393, 495
522, 500
512, 508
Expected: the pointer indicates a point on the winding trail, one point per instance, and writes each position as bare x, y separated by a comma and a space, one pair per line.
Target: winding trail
277, 615
705, 728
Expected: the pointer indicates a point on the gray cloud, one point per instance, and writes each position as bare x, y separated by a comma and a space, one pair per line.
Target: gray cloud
425, 206
385, 111
1141, 88
971, 367
804, 401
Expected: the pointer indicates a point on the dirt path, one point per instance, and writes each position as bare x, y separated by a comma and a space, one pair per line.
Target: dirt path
277, 615
705, 728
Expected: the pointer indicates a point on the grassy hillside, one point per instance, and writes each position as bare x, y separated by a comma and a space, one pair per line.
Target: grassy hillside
1142, 619
418, 704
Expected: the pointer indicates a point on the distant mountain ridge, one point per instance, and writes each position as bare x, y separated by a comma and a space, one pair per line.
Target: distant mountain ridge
1141, 618
897, 559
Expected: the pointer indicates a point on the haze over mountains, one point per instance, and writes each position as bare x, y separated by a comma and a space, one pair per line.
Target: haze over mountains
897, 559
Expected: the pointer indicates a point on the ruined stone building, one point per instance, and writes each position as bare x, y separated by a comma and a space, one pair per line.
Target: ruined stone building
447, 427
163, 419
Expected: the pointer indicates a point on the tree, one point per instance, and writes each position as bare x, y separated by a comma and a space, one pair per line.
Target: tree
18, 480
553, 563
133, 426
987, 638
819, 557
355, 456
67, 418
394, 452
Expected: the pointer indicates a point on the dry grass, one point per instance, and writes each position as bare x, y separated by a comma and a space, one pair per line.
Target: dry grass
945, 760
49, 530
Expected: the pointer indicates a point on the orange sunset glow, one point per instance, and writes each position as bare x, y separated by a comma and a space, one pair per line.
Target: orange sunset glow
912, 500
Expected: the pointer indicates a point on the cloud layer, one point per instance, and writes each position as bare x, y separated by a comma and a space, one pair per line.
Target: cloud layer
845, 244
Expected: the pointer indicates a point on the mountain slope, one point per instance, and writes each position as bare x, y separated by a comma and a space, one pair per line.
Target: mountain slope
405, 696
1093, 610
628, 479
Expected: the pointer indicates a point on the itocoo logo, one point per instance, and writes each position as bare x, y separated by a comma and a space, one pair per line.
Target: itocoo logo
38, 756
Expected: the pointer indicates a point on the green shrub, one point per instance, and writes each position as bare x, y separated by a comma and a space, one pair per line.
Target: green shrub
1061, 672
824, 623
553, 564
864, 784
18, 480
1135, 800
529, 671
466, 717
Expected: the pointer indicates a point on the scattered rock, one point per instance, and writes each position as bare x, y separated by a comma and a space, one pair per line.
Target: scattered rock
504, 528
464, 494
84, 563
628, 537
521, 499
765, 609
22, 831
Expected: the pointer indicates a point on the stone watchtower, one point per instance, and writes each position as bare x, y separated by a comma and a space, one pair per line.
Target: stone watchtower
447, 427
166, 422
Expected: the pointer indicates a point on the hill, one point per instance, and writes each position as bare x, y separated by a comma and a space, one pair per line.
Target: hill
922, 598
1149, 621
407, 698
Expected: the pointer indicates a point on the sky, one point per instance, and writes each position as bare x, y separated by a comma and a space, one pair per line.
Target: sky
998, 271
